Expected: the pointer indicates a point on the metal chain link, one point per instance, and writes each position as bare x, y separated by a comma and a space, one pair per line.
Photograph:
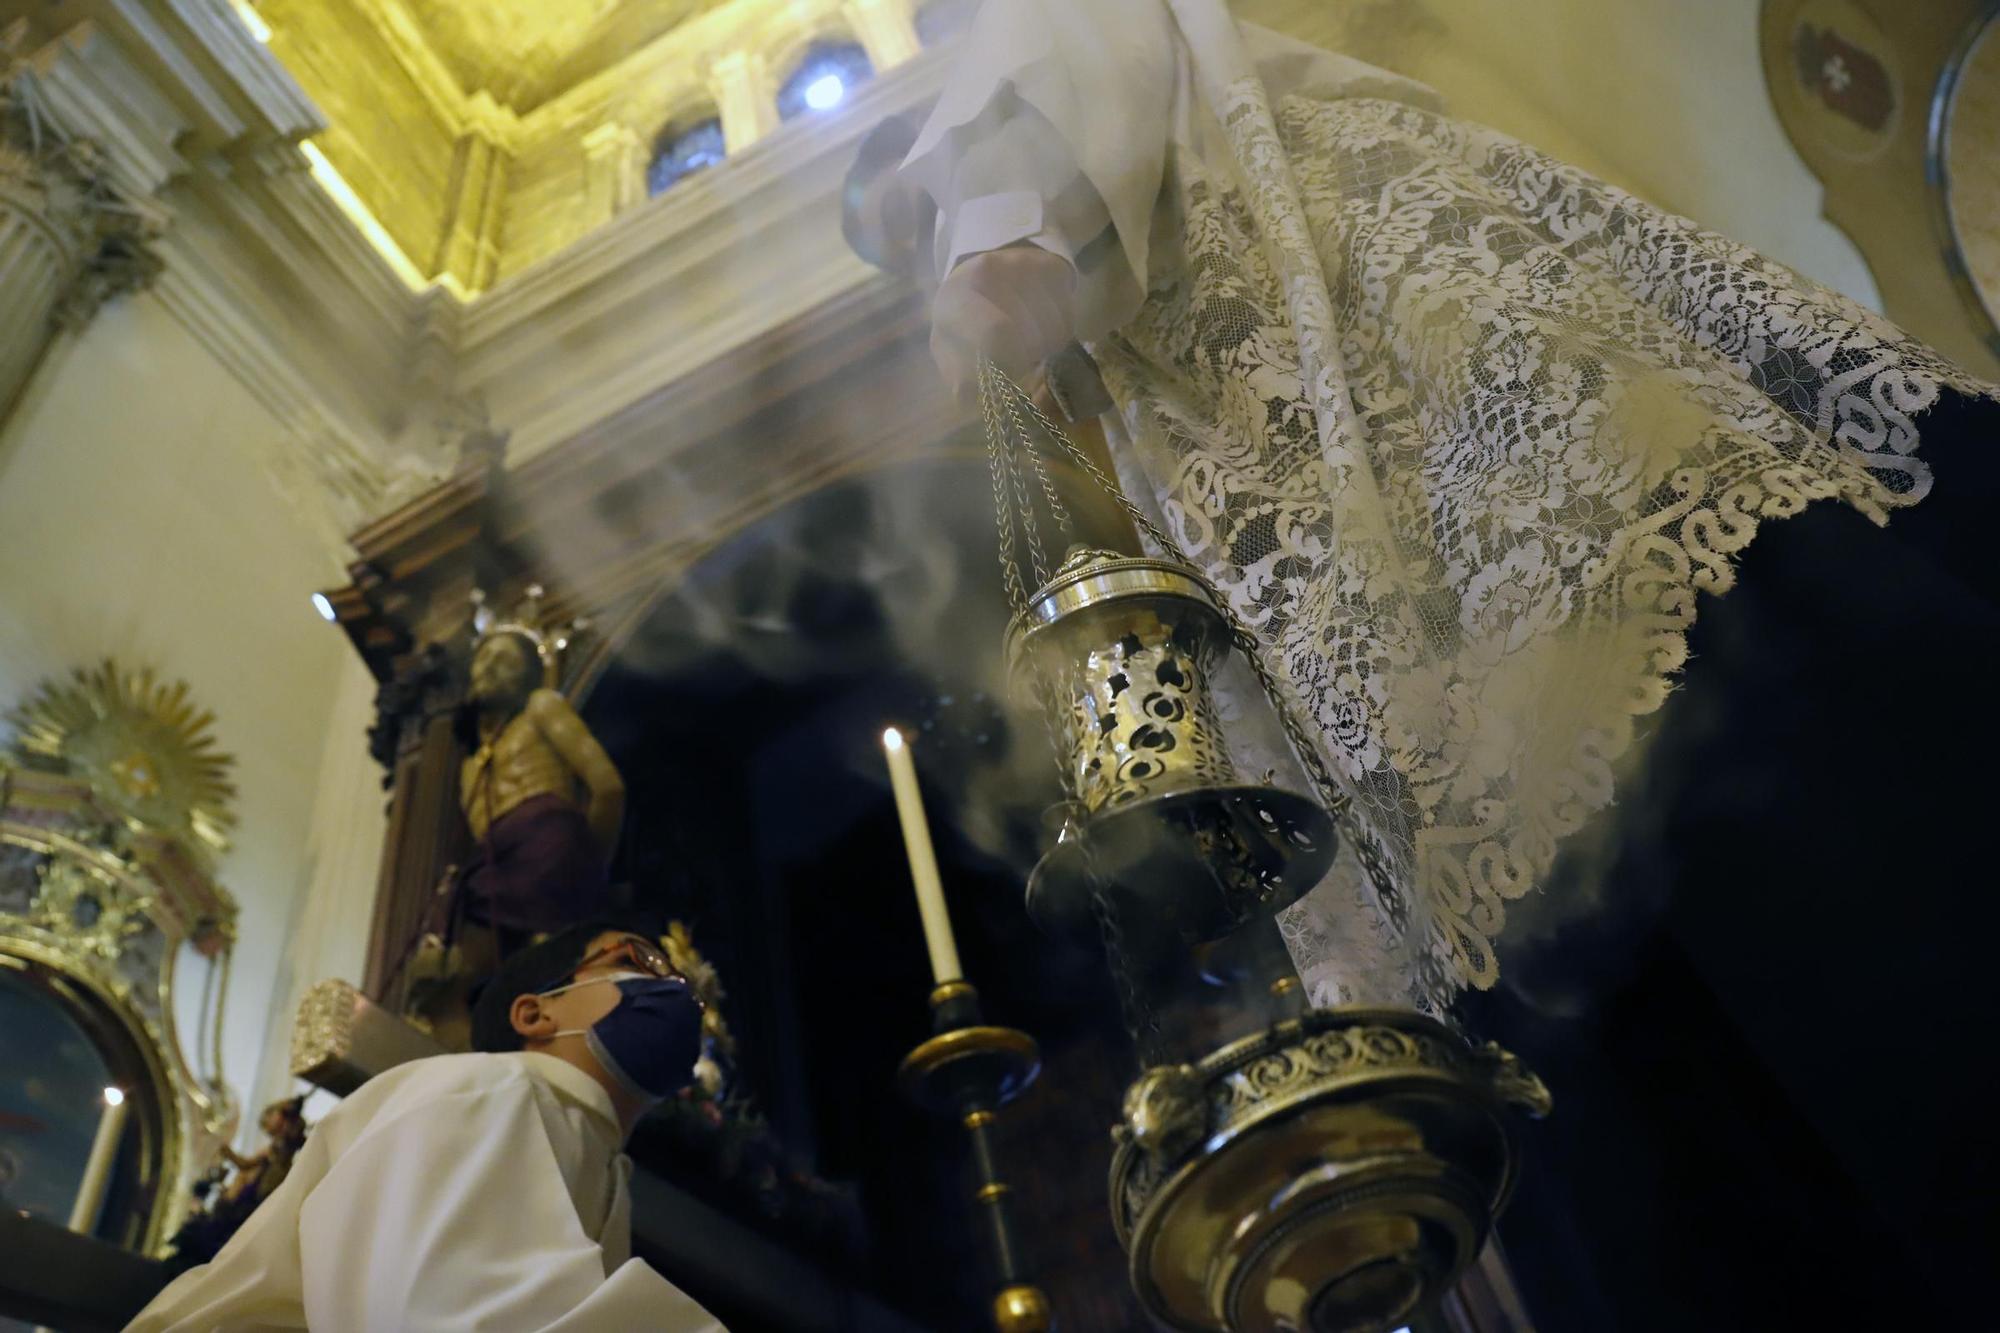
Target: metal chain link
1038, 556
1142, 1025
1040, 461
1012, 506
1003, 511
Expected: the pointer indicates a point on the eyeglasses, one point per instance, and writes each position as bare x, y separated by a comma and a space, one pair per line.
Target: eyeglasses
641, 954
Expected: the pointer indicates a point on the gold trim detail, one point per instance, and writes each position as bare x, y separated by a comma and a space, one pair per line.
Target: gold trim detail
961, 1042
951, 990
109, 932
1022, 1310
324, 1028
144, 746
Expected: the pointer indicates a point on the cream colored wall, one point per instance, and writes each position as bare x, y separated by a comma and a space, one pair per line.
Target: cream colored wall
1666, 100
135, 522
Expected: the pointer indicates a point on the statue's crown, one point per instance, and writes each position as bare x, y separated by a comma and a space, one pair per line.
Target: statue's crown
529, 620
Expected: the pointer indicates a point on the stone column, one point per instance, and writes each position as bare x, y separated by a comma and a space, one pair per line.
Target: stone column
886, 29
469, 249
744, 95
616, 160
70, 240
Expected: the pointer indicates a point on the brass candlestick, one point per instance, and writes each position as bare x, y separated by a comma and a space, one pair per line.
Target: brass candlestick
970, 1069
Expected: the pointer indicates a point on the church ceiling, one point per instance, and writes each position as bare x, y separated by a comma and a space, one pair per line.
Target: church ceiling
456, 131
525, 52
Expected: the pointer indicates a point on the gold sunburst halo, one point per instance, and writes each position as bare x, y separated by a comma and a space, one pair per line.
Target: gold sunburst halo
144, 745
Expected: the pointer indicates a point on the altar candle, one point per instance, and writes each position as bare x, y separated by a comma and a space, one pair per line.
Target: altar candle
97, 1168
923, 861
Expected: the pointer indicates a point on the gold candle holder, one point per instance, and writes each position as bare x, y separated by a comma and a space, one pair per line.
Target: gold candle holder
970, 1069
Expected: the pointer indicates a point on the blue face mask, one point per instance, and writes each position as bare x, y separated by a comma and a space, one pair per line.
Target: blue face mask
649, 1043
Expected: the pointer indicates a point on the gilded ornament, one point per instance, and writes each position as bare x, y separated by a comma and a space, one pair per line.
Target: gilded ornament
1334, 1173
1164, 1110
89, 909
144, 746
1022, 1310
113, 801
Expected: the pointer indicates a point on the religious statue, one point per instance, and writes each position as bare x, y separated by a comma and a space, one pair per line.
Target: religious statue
544, 803
220, 1208
539, 793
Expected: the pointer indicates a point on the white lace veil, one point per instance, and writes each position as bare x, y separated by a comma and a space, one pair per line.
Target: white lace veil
1459, 430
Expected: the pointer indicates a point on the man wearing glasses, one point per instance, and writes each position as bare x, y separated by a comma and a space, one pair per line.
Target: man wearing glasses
479, 1191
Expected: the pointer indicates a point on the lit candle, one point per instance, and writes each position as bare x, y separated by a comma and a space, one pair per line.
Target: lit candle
97, 1169
923, 861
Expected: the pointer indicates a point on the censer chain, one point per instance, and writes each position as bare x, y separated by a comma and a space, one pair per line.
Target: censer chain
1339, 803
1142, 1025
1003, 509
1011, 507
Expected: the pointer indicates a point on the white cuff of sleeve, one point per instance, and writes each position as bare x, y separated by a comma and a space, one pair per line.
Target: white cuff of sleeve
992, 221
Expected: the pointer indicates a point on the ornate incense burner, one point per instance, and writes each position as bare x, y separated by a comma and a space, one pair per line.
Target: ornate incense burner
1338, 1171
1120, 650
1335, 1173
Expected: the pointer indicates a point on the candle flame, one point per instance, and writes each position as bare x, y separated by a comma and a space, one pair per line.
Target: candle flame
114, 1096
892, 739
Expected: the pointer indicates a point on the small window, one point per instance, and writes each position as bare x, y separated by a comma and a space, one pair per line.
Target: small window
823, 80
682, 151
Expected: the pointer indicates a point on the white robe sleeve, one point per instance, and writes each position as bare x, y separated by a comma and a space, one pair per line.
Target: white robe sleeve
454, 1215
1083, 103
1050, 95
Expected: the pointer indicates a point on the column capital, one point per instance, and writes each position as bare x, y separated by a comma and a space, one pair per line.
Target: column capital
887, 30
610, 139
71, 237
615, 156
740, 81
727, 68
71, 186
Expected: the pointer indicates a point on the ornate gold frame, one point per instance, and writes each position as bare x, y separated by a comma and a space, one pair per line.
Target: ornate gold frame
119, 956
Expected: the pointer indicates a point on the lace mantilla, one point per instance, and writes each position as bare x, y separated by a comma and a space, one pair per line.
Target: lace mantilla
1461, 432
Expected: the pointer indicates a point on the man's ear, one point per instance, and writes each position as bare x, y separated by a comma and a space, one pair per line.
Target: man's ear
529, 1018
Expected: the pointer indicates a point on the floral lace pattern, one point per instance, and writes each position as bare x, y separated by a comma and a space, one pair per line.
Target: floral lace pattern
1461, 432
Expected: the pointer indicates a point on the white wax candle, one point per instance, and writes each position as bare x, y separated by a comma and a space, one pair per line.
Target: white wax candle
923, 861
97, 1169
